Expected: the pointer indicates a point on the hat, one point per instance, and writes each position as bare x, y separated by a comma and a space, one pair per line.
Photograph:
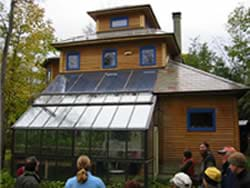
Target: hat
226, 149
181, 180
212, 175
238, 159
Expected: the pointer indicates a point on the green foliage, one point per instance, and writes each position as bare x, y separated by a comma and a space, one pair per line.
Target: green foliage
6, 180
52, 184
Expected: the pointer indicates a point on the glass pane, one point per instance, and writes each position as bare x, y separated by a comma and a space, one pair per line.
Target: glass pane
43, 99
64, 143
88, 117
136, 172
57, 86
99, 144
68, 99
58, 116
135, 145
72, 117
50, 170
122, 116
33, 141
117, 172
20, 138
64, 169
55, 99
144, 97
97, 99
148, 56
117, 144
109, 59
112, 98
82, 139
49, 142
82, 99
201, 120
105, 116
43, 117
140, 117
28, 117
73, 61
128, 98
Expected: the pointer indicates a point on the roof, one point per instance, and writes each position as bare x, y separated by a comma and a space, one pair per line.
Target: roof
126, 111
50, 60
147, 9
180, 78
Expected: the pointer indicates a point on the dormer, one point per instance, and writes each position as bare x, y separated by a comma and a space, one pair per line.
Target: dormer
124, 18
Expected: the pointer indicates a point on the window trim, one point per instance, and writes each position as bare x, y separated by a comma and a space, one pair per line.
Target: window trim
141, 55
201, 110
119, 19
103, 54
78, 61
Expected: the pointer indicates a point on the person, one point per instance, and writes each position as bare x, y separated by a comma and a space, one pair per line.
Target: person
20, 171
187, 164
132, 184
211, 178
181, 180
30, 178
228, 178
238, 166
84, 178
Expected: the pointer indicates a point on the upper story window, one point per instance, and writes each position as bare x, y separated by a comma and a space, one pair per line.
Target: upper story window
109, 58
73, 61
201, 119
147, 55
118, 22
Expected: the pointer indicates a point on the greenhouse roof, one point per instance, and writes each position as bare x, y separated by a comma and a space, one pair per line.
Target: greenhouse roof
123, 111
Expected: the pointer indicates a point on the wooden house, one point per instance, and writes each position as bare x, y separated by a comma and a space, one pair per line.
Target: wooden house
124, 97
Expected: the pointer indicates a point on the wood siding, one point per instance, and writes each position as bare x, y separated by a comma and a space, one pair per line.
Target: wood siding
174, 137
135, 21
91, 56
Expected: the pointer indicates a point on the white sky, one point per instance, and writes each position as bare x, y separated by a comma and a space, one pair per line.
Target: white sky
203, 18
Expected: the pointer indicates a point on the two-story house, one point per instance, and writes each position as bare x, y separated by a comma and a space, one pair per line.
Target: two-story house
124, 97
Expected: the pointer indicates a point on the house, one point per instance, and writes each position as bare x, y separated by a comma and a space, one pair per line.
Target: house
124, 97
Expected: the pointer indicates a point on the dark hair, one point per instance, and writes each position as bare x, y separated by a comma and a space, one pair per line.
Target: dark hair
30, 163
206, 144
187, 154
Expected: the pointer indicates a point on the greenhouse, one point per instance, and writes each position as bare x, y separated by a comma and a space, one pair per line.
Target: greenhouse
113, 128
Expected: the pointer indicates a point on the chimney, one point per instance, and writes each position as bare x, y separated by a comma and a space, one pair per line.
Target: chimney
177, 27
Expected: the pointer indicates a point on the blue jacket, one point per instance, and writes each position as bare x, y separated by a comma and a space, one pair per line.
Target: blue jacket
92, 182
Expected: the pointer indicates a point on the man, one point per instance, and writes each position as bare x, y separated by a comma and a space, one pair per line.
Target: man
211, 178
30, 178
238, 165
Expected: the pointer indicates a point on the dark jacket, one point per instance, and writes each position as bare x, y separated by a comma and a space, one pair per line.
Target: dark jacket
228, 179
208, 161
243, 179
28, 180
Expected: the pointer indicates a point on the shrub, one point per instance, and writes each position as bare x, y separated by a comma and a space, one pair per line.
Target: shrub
6, 180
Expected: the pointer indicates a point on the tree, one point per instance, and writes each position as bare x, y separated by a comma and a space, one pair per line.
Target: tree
29, 45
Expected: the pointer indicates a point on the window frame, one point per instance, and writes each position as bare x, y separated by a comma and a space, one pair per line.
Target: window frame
119, 19
103, 57
67, 60
141, 55
201, 110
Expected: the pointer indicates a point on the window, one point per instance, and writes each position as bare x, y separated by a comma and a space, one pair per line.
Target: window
109, 58
147, 56
200, 119
119, 22
73, 61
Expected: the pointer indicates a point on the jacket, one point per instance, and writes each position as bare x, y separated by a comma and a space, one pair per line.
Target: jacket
28, 180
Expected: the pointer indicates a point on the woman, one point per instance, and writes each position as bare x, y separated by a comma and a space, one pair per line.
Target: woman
84, 178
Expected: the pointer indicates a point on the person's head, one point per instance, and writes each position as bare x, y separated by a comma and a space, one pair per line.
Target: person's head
204, 147
83, 162
238, 162
181, 180
187, 154
132, 184
226, 152
32, 164
212, 176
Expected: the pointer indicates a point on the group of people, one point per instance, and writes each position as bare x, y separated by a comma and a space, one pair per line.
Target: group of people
233, 173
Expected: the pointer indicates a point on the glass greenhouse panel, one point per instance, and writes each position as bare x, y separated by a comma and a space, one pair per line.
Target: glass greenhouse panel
43, 99
43, 117
112, 98
57, 86
49, 142
128, 98
135, 145
20, 141
64, 142
144, 97
82, 99
72, 117
122, 116
140, 117
58, 116
97, 99
117, 144
68, 99
99, 142
82, 141
105, 116
28, 117
88, 117
33, 141
55, 99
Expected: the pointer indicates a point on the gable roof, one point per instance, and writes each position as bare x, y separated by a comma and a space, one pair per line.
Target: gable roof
178, 78
147, 9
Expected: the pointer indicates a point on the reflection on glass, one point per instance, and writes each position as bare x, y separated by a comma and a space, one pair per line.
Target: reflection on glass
140, 116
105, 116
43, 99
33, 141
49, 142
19, 146
122, 116
135, 145
64, 168
82, 139
117, 144
64, 143
144, 97
28, 117
72, 117
43, 116
88, 116
99, 144
57, 117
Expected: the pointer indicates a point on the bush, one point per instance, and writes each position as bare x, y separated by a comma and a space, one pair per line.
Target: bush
6, 180
52, 184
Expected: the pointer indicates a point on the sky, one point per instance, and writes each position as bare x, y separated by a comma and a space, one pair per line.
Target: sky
205, 19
